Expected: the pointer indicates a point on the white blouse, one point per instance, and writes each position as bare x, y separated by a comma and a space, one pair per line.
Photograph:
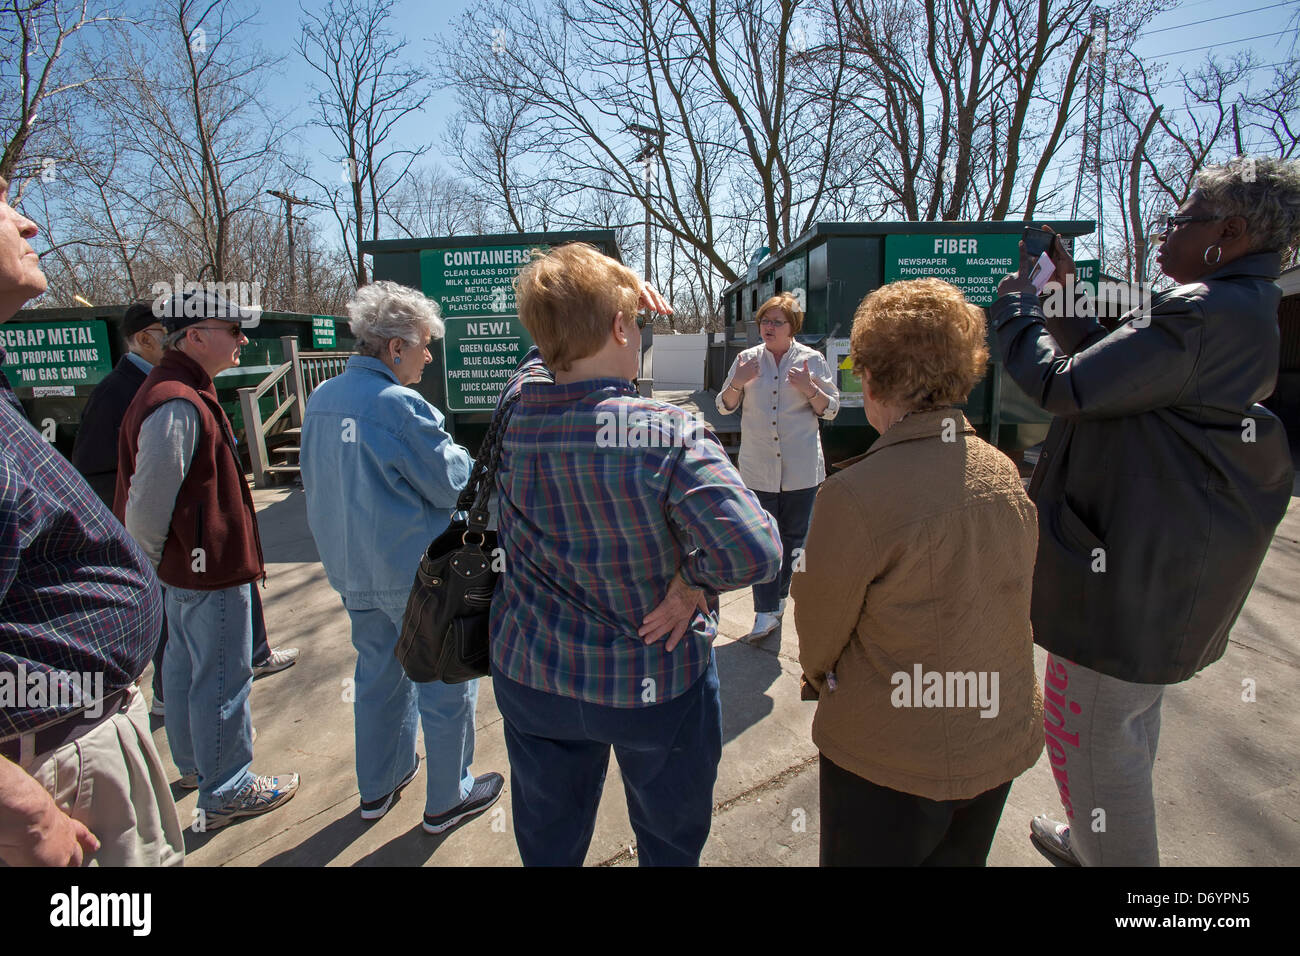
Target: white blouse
780, 448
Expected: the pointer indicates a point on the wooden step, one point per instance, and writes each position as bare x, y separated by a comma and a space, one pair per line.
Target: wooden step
286, 448
283, 470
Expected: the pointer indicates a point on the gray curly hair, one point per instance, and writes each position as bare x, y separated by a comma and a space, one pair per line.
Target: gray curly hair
385, 310
1263, 191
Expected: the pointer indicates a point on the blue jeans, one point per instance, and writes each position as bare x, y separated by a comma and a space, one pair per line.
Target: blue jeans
208, 676
559, 751
792, 512
386, 706
261, 647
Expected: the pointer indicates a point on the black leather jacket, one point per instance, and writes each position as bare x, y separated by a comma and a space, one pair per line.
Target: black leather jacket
1161, 480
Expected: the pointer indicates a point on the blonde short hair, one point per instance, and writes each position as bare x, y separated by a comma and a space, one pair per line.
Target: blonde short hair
922, 342
569, 296
786, 303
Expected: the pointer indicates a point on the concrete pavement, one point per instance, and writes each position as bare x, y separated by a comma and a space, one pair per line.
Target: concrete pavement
1226, 783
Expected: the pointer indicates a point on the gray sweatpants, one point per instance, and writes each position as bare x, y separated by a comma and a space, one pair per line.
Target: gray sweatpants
1101, 737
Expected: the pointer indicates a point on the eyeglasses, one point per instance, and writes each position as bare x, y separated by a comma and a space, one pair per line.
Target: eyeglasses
1171, 221
235, 330
773, 323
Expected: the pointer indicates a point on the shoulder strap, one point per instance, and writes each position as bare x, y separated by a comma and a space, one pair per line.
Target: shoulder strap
478, 490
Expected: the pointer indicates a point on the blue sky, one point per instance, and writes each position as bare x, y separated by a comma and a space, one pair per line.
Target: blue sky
1175, 37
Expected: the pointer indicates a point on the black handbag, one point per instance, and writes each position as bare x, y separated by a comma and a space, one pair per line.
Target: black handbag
445, 629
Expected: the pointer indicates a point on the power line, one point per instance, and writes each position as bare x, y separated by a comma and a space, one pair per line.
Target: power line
1226, 16
1209, 46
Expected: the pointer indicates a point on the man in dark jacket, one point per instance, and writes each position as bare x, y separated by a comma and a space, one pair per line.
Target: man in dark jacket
181, 493
1158, 490
95, 451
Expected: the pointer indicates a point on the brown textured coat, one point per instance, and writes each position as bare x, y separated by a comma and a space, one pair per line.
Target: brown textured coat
922, 553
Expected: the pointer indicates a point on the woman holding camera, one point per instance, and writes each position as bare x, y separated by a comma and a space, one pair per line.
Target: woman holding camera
1158, 489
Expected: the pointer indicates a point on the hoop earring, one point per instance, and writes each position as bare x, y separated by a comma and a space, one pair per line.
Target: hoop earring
1218, 254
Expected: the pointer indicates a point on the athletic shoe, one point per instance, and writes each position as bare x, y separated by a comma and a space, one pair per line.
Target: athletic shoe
159, 708
374, 809
1052, 839
765, 622
485, 792
189, 781
264, 794
280, 658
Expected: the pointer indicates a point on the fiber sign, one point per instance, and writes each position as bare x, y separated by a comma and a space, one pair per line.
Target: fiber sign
974, 264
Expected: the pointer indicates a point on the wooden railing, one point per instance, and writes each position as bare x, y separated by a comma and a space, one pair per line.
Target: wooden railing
289, 385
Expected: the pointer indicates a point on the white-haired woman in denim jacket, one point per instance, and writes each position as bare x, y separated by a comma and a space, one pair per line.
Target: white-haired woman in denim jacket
382, 477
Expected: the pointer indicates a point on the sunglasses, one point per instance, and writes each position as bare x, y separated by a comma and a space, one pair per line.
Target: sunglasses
235, 330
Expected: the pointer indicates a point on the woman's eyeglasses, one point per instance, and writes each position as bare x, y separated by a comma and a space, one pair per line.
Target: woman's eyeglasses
773, 323
1171, 221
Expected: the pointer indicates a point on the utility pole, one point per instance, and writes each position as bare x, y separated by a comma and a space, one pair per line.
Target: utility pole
652, 144
1090, 149
289, 202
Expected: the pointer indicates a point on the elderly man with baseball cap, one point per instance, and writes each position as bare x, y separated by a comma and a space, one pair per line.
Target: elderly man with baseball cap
95, 455
181, 493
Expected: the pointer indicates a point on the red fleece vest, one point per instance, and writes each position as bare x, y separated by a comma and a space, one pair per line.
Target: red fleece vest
213, 541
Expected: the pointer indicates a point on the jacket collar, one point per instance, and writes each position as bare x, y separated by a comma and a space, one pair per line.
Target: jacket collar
1265, 265
917, 425
188, 371
369, 363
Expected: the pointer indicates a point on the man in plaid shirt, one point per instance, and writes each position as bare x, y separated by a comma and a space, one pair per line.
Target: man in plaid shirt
80, 778
621, 520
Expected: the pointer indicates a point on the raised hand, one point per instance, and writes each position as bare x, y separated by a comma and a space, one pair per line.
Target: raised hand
746, 372
801, 378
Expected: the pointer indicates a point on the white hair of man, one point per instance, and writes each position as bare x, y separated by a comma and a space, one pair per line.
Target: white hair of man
383, 311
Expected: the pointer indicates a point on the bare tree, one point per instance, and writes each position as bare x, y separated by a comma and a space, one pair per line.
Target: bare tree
951, 94
699, 113
430, 201
38, 75
365, 91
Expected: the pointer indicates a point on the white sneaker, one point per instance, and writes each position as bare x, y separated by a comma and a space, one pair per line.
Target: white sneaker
280, 658
765, 623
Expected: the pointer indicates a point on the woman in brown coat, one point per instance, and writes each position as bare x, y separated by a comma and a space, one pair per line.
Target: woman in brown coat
913, 608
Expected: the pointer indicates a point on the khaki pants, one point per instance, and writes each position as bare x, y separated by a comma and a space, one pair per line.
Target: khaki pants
112, 780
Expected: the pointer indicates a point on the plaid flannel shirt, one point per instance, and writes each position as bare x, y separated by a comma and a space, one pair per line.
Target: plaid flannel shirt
594, 525
77, 595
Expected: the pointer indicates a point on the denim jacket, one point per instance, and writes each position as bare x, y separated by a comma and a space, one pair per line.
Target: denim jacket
381, 476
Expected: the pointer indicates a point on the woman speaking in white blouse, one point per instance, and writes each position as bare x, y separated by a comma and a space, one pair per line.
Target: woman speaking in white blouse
781, 387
